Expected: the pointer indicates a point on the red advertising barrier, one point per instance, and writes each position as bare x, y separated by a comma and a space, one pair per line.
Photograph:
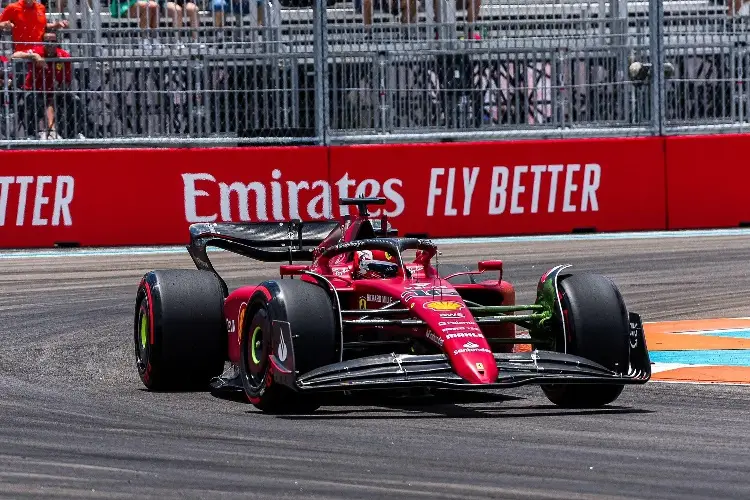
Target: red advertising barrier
150, 196
708, 181
513, 188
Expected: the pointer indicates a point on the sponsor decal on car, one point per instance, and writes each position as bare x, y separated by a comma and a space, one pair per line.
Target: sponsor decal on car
452, 315
463, 335
461, 328
471, 347
340, 271
413, 286
282, 349
241, 322
443, 305
457, 323
480, 367
431, 336
374, 298
382, 299
428, 292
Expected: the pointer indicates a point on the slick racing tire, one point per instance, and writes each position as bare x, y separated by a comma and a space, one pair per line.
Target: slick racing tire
179, 333
308, 310
463, 279
598, 329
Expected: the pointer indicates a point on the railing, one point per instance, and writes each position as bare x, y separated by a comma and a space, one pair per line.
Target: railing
417, 72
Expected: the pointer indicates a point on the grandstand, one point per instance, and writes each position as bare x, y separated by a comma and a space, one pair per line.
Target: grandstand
512, 23
541, 68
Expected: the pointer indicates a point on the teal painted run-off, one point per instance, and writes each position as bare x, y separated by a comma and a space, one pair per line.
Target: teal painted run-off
724, 357
743, 333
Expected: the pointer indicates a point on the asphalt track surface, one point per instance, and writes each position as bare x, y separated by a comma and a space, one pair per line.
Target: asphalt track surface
76, 422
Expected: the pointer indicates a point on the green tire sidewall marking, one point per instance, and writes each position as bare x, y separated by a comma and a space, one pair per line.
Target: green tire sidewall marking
253, 352
144, 330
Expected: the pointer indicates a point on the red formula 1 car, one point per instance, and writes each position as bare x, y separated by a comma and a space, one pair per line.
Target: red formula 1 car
360, 315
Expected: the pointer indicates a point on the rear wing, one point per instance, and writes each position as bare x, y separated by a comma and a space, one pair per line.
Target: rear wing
264, 241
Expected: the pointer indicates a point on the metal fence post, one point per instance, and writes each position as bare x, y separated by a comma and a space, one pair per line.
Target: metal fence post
320, 64
5, 68
656, 48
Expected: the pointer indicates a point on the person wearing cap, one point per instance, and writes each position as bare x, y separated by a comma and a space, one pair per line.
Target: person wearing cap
47, 87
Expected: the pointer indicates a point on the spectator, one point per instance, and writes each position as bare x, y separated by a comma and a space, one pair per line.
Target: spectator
147, 12
738, 7
238, 8
178, 8
472, 12
28, 21
408, 9
47, 88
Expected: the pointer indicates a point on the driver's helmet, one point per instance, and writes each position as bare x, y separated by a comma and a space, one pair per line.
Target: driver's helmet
374, 264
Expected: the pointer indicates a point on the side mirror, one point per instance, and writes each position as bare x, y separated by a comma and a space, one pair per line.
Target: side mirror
490, 265
292, 269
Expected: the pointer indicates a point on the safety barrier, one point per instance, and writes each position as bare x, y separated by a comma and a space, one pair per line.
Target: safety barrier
150, 196
708, 181
327, 72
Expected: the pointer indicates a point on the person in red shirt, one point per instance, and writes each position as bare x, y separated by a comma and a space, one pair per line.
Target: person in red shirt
28, 21
48, 86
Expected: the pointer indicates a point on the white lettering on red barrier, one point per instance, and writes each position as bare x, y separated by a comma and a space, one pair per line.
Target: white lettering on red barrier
239, 196
525, 184
35, 192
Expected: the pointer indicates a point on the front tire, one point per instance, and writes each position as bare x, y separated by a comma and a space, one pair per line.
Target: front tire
598, 329
179, 332
308, 310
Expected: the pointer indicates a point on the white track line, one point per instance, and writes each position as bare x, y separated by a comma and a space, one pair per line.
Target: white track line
172, 249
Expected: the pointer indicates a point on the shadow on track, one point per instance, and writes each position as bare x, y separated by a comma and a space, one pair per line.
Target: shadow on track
453, 411
442, 404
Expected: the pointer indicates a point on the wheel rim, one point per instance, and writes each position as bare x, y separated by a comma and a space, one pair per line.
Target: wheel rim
144, 331
256, 345
141, 335
255, 359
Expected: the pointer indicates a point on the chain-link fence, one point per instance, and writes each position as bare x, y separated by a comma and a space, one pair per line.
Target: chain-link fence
327, 71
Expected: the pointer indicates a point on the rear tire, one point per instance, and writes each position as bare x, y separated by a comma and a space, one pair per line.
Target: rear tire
598, 329
309, 312
179, 332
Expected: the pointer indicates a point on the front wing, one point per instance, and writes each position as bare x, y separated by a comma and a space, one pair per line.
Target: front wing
405, 370
394, 371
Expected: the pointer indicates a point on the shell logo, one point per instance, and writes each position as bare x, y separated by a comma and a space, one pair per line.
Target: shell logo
439, 305
241, 322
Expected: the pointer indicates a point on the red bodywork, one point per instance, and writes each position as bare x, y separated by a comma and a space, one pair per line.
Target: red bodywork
450, 326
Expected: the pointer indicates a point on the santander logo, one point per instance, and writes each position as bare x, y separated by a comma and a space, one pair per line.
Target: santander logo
210, 200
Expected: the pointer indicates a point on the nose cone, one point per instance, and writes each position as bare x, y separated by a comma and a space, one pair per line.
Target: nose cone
475, 366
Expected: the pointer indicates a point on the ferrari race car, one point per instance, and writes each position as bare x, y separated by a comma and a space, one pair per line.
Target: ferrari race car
362, 314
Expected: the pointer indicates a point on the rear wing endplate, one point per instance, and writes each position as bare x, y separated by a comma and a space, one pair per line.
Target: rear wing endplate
263, 241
